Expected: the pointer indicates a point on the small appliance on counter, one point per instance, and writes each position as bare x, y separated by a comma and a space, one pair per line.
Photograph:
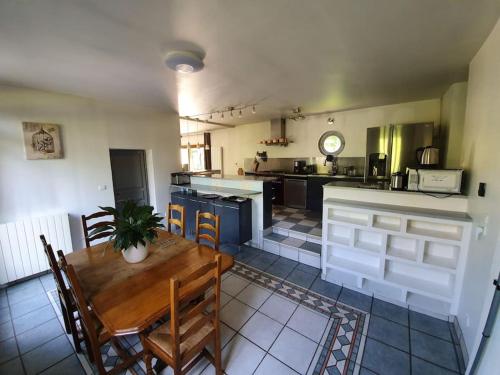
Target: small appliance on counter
398, 181
428, 157
180, 178
299, 166
447, 181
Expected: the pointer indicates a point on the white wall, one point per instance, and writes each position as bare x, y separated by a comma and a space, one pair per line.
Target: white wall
89, 129
481, 158
243, 141
452, 124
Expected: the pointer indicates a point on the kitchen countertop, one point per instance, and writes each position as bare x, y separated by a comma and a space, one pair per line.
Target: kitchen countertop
241, 178
209, 189
405, 210
291, 174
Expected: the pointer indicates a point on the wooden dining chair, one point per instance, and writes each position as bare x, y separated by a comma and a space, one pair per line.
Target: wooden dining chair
95, 333
88, 227
68, 306
180, 222
181, 342
208, 227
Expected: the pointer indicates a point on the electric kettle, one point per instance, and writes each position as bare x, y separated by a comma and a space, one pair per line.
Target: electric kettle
428, 156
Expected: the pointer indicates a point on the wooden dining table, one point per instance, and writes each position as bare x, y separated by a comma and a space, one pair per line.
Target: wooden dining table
128, 298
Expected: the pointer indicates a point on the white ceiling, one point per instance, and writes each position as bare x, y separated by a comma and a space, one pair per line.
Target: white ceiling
320, 54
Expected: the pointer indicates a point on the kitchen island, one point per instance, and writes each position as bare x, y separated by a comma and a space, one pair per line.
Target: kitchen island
257, 189
405, 247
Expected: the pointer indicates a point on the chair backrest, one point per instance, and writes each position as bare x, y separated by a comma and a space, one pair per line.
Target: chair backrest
86, 320
87, 227
56, 270
206, 226
187, 289
180, 222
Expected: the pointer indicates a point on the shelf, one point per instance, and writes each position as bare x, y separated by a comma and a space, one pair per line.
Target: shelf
369, 240
348, 217
434, 230
401, 247
368, 246
383, 289
392, 223
340, 234
420, 279
353, 266
441, 255
437, 261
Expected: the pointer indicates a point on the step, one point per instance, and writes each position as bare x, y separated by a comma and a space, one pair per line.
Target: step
294, 248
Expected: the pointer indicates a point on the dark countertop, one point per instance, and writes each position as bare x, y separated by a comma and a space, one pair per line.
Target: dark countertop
291, 174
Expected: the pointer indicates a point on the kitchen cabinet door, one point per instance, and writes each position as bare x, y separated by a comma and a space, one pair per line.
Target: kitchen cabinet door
229, 223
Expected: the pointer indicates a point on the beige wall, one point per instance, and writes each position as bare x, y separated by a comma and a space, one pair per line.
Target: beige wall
452, 124
89, 129
243, 141
481, 158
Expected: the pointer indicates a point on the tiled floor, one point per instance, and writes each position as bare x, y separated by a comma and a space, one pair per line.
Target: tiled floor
263, 332
297, 220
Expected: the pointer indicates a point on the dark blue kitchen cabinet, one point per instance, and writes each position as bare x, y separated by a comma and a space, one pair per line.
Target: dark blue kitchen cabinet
235, 217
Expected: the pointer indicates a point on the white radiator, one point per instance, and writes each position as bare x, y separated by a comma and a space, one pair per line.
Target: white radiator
21, 251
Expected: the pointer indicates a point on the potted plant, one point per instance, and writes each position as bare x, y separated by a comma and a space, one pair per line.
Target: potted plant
132, 228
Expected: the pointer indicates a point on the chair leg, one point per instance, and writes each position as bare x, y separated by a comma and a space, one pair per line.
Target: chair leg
148, 358
74, 333
64, 312
217, 353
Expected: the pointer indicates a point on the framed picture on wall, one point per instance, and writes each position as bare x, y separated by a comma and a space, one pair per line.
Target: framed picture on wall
42, 141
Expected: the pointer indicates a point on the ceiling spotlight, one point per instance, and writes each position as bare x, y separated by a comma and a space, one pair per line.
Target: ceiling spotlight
240, 115
331, 120
222, 115
184, 61
253, 110
210, 116
231, 113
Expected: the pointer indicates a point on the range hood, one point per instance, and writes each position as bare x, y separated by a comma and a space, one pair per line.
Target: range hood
278, 133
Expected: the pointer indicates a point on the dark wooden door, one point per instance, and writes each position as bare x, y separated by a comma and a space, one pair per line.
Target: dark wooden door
130, 181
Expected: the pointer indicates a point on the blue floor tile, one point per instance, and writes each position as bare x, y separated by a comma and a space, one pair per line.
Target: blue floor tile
47, 355
4, 315
311, 246
275, 237
301, 278
430, 325
419, 366
39, 335
29, 305
282, 267
309, 269
383, 359
391, 333
263, 261
390, 311
325, 288
355, 299
33, 319
301, 228
6, 330
8, 350
70, 365
433, 349
12, 367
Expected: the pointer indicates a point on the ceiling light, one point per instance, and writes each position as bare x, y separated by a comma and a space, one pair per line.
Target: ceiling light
222, 115
331, 120
184, 61
210, 116
240, 115
253, 110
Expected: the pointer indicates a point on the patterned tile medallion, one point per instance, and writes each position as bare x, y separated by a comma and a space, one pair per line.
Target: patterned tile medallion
343, 344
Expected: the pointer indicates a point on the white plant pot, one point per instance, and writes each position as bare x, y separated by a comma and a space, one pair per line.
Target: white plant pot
135, 254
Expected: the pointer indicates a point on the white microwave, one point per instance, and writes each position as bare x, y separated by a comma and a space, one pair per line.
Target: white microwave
448, 181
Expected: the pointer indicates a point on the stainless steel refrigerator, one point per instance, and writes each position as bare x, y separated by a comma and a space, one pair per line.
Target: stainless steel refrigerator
393, 148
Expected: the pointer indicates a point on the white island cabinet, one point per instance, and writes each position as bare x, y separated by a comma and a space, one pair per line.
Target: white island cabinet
408, 255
